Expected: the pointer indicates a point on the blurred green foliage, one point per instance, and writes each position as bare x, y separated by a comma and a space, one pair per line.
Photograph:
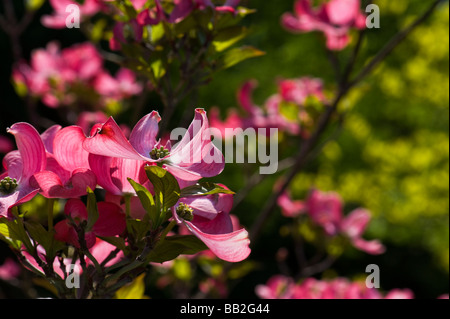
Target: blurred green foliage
391, 154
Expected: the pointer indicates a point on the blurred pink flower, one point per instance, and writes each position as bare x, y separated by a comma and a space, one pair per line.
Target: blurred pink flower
325, 209
181, 10
277, 287
58, 76
282, 287
354, 225
289, 207
334, 18
295, 91
57, 20
400, 294
9, 270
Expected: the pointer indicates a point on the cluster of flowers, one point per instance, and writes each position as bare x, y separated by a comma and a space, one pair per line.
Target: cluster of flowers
282, 287
284, 110
146, 14
73, 76
325, 209
334, 19
63, 163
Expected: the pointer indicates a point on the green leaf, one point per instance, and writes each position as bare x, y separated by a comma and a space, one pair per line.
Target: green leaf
229, 36
174, 246
39, 234
92, 209
205, 188
135, 290
167, 190
13, 233
45, 238
147, 202
34, 5
138, 228
7, 234
237, 55
158, 69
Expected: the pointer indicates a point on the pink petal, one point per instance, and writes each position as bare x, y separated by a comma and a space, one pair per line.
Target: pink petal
289, 207
111, 221
68, 148
22, 195
143, 136
151, 16
51, 185
356, 223
342, 12
400, 294
196, 152
12, 162
113, 173
109, 140
87, 119
232, 247
66, 233
325, 209
373, 247
31, 148
245, 97
101, 250
49, 136
76, 209
182, 9
138, 4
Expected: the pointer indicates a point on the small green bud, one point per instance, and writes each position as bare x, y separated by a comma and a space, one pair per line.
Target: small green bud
8, 185
158, 153
185, 212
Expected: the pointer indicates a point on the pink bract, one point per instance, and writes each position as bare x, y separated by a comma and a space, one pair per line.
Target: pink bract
334, 19
22, 165
194, 157
213, 225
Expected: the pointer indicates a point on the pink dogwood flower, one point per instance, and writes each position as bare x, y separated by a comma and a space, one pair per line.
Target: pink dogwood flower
289, 207
10, 270
282, 287
68, 173
194, 157
277, 287
111, 222
334, 19
57, 76
182, 9
57, 20
354, 225
325, 209
20, 166
294, 91
208, 218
